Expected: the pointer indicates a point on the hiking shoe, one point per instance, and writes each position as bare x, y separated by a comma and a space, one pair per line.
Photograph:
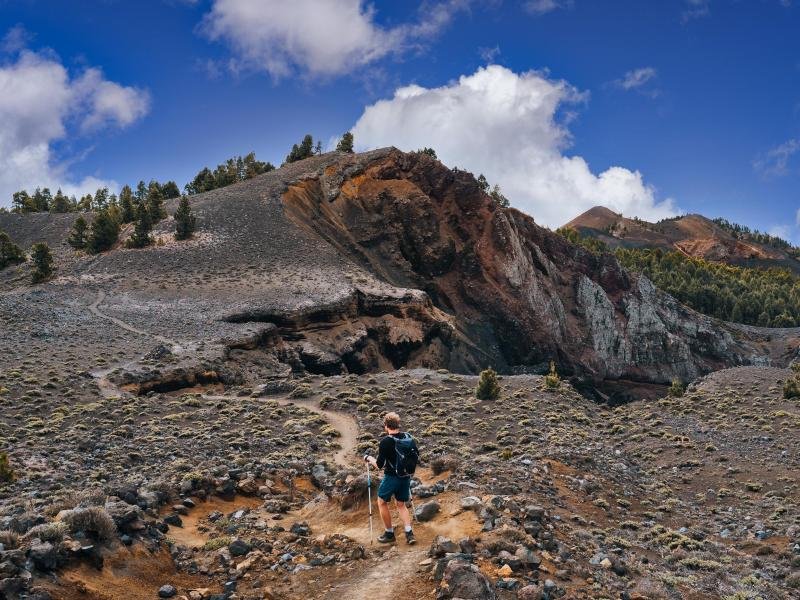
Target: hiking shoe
410, 539
387, 537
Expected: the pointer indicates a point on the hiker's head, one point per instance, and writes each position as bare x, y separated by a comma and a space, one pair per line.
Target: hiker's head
391, 422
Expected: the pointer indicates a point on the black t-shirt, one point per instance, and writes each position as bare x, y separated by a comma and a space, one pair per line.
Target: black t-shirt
387, 453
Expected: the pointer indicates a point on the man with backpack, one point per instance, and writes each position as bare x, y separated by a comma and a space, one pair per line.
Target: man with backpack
397, 456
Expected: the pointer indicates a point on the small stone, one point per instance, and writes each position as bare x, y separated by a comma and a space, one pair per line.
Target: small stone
167, 591
239, 548
505, 571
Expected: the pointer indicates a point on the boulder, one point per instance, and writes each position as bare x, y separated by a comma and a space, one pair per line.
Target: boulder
465, 581
167, 591
427, 511
441, 546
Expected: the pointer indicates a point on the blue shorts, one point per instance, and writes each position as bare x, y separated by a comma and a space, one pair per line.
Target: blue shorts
392, 485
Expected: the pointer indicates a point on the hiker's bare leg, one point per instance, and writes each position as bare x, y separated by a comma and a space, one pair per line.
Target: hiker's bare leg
402, 510
383, 508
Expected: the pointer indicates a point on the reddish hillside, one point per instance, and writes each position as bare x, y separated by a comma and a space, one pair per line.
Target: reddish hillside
694, 235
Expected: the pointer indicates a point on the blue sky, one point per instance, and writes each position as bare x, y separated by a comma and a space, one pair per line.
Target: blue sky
651, 108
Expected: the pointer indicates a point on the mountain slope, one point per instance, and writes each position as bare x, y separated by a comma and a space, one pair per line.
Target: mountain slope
693, 235
358, 263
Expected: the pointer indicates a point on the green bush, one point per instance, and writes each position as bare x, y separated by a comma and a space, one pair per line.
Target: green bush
552, 381
42, 260
488, 386
10, 253
677, 389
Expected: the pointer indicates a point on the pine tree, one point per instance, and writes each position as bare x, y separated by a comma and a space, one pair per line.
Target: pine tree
42, 260
318, 148
302, 151
429, 151
101, 199
155, 202
104, 233
488, 386
499, 198
185, 221
61, 203
142, 228
10, 253
21, 202
127, 211
170, 190
141, 191
346, 143
483, 183
77, 238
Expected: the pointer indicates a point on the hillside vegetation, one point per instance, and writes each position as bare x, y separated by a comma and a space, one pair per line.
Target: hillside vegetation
752, 296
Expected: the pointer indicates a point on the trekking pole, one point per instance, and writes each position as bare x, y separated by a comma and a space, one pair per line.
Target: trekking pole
369, 499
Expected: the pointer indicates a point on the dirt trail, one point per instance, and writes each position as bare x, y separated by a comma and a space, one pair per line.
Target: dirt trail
343, 423
94, 308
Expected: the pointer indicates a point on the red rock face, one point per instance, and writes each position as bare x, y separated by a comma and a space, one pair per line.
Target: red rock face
519, 295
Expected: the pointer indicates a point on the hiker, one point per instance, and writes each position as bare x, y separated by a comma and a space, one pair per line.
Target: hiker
397, 456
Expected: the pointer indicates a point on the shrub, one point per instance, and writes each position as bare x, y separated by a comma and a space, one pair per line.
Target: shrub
6, 472
301, 391
217, 543
791, 389
488, 387
10, 253
42, 260
93, 521
9, 539
677, 389
552, 381
48, 532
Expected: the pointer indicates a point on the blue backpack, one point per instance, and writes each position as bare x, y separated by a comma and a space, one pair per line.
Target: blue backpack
406, 455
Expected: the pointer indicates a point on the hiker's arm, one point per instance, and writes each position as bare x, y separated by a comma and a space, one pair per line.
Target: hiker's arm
383, 451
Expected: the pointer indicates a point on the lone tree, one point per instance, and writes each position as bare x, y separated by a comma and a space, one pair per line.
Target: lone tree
42, 260
185, 221
77, 238
346, 143
142, 228
488, 387
104, 233
10, 253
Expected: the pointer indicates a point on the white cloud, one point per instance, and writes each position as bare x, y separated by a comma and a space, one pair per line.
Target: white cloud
506, 126
542, 7
15, 39
41, 103
636, 78
317, 37
775, 162
694, 9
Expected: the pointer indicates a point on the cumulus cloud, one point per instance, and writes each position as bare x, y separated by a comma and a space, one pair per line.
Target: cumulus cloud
40, 104
542, 7
507, 126
317, 37
776, 161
